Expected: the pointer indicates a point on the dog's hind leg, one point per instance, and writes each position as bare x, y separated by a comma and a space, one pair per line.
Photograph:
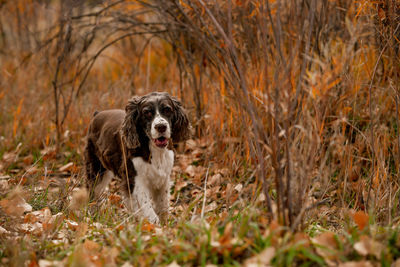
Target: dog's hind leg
94, 169
102, 184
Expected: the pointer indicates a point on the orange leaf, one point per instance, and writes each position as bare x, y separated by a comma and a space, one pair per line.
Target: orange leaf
361, 219
148, 227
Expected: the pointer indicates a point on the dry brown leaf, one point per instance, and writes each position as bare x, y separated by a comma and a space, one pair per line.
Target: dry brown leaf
356, 264
109, 256
180, 184
224, 172
4, 185
396, 263
115, 199
91, 246
72, 225
148, 227
302, 238
361, 219
32, 228
49, 153
3, 231
79, 199
30, 218
87, 254
173, 264
51, 223
190, 144
225, 239
211, 207
262, 259
46, 263
326, 246
82, 229
10, 157
41, 215
191, 170
14, 204
368, 246
195, 171
238, 187
32, 170
28, 160
216, 179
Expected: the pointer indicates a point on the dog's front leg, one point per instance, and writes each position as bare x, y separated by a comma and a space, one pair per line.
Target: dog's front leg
161, 202
141, 203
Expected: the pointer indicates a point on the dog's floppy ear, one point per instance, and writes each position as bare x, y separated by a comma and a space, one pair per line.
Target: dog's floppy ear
181, 129
128, 131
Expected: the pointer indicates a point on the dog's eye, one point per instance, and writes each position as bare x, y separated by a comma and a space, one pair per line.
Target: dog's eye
147, 113
167, 110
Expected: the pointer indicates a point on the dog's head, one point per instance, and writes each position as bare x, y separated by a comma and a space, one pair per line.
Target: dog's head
156, 117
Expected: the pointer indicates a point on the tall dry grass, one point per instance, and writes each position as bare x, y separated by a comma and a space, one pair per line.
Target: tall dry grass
299, 98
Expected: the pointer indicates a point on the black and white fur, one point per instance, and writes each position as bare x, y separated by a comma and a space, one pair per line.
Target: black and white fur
136, 146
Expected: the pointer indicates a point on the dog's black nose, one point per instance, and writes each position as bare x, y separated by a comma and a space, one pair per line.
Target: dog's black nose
161, 128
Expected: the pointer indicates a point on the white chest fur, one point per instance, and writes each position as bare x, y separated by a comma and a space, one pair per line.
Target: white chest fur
156, 173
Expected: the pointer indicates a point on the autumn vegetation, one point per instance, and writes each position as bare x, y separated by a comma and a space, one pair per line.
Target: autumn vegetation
295, 153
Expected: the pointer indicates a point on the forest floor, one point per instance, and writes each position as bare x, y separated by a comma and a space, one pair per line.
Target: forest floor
47, 220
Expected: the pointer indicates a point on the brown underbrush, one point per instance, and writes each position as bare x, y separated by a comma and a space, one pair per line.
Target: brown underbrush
295, 154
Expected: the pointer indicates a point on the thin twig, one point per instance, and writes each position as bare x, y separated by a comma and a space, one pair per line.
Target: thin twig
372, 126
205, 194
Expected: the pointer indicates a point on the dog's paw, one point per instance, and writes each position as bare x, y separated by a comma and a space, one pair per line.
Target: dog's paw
154, 220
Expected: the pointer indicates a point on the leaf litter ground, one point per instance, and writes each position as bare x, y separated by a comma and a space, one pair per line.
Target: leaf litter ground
215, 219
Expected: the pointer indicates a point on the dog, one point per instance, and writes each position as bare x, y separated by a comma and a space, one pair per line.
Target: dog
136, 145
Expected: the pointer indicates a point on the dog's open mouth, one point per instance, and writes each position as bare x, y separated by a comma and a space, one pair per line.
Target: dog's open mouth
161, 141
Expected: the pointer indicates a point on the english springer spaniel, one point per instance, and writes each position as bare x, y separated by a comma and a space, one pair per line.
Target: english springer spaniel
136, 146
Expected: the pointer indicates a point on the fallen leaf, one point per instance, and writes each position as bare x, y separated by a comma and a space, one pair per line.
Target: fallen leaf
225, 239
302, 238
368, 246
190, 144
79, 199
109, 256
396, 263
72, 225
91, 246
28, 160
191, 170
115, 199
3, 231
173, 264
238, 188
30, 218
14, 204
9, 158
148, 227
262, 259
82, 229
87, 254
361, 219
32, 228
216, 179
180, 184
356, 264
4, 185
211, 207
52, 222
326, 246
46, 263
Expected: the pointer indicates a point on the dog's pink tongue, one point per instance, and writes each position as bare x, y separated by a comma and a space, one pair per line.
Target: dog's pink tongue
162, 142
